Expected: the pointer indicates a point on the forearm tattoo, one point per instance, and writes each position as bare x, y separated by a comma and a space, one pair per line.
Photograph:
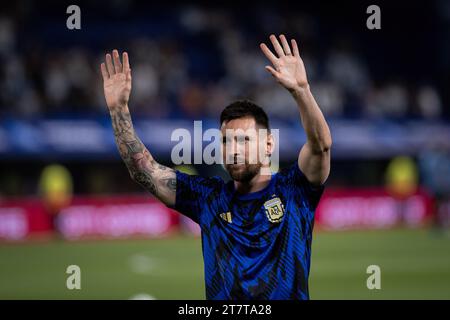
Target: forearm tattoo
156, 178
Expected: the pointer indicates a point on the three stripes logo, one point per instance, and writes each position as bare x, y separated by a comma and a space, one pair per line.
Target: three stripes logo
226, 216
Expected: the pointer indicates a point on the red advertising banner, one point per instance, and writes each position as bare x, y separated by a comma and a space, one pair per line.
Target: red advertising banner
21, 217
371, 208
107, 216
116, 217
141, 215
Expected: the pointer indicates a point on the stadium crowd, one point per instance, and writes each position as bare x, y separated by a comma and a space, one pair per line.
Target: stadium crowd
209, 58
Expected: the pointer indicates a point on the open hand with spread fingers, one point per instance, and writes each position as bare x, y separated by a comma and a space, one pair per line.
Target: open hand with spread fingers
116, 80
288, 68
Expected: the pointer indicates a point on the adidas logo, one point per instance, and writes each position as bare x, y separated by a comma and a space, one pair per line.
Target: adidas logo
226, 216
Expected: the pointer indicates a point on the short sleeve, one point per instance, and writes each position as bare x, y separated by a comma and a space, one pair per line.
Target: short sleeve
193, 192
298, 184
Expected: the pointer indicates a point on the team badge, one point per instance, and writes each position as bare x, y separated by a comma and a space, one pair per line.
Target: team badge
274, 210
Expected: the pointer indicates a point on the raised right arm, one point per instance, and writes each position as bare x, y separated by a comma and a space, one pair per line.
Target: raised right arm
155, 178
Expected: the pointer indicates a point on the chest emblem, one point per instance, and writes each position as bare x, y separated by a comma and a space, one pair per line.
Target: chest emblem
274, 210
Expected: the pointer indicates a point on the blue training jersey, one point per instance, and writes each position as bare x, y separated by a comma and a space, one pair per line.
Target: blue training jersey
255, 245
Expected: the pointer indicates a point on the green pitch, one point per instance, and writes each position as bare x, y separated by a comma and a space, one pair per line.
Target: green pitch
414, 264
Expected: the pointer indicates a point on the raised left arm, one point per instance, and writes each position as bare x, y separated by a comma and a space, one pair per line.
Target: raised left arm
288, 69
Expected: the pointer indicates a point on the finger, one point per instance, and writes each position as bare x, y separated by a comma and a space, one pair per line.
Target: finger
117, 65
295, 48
265, 49
109, 65
126, 62
105, 73
285, 44
272, 71
128, 72
276, 45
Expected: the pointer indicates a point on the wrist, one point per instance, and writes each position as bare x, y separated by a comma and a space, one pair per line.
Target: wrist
118, 107
300, 91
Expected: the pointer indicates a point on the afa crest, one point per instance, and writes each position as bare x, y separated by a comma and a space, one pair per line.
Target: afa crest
274, 210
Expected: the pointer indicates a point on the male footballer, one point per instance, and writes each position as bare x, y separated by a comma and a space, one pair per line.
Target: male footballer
257, 229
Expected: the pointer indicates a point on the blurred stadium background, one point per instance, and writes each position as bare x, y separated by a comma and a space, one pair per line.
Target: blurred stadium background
66, 198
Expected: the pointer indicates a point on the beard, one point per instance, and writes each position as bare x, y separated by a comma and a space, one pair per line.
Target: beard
243, 172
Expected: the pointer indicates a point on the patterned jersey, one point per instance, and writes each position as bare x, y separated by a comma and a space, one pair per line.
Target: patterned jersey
255, 245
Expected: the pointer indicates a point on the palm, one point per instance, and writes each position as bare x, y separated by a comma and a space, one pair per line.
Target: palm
288, 68
117, 90
116, 80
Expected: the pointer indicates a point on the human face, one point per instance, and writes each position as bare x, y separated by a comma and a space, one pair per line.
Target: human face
244, 148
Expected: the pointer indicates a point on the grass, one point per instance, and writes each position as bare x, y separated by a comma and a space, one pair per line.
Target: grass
415, 264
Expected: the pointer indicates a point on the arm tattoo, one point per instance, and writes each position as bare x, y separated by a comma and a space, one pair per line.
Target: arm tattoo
156, 178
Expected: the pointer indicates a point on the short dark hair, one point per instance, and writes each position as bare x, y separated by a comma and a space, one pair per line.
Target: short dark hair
245, 108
